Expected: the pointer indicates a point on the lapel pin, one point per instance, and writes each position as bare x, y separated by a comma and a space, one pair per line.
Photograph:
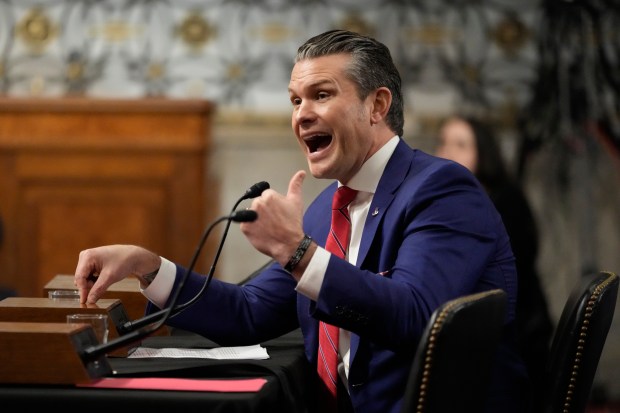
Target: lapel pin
375, 212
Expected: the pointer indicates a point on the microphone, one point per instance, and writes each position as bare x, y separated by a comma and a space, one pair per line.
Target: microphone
252, 192
95, 351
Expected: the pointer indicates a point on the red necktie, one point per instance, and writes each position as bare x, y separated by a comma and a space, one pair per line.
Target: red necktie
337, 243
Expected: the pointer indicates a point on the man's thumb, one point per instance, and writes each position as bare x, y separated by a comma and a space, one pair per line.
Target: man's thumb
295, 184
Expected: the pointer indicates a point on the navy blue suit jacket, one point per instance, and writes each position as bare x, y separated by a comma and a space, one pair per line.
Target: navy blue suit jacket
431, 235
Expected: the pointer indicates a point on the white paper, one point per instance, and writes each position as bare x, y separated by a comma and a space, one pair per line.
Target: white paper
255, 352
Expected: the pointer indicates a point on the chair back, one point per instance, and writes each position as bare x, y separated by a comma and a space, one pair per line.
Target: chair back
578, 343
452, 365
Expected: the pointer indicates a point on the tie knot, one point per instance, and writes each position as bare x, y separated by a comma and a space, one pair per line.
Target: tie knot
343, 197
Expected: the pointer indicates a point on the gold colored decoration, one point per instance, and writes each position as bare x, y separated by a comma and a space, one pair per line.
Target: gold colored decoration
115, 31
276, 33
430, 34
356, 23
433, 34
155, 71
118, 31
510, 35
36, 30
234, 71
195, 31
75, 71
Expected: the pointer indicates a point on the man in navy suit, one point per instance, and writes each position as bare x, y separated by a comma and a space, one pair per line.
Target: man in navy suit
423, 232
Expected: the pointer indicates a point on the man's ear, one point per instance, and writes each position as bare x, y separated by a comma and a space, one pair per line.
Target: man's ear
380, 104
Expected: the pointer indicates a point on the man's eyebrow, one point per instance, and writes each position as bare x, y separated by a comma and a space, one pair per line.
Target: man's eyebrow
316, 84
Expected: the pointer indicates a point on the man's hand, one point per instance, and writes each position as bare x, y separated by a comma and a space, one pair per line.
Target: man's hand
98, 268
278, 229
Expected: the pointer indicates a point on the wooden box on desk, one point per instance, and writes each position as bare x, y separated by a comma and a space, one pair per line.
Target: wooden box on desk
45, 310
48, 353
126, 290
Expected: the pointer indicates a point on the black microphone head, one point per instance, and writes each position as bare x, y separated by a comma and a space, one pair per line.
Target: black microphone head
256, 189
245, 215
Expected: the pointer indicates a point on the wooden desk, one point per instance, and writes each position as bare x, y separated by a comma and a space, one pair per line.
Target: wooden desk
289, 386
78, 173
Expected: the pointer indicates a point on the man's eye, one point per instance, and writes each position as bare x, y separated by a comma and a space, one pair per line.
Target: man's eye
295, 101
323, 95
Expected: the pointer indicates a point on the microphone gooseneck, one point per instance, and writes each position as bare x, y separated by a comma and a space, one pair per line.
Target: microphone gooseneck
236, 216
132, 331
252, 192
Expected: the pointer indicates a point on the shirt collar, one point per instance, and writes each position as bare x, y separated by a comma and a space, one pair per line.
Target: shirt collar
367, 178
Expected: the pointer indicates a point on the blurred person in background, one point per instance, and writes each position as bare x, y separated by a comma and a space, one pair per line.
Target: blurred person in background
472, 143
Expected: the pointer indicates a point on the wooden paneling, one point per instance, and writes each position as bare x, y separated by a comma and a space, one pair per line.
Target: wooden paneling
78, 173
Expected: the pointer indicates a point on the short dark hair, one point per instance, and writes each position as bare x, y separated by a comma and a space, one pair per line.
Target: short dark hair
371, 67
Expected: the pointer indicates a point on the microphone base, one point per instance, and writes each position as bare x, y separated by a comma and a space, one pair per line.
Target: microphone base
48, 353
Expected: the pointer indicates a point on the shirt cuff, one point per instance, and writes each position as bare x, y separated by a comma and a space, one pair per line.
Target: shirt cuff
159, 290
312, 279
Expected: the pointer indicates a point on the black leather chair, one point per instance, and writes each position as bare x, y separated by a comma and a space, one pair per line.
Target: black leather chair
452, 366
578, 343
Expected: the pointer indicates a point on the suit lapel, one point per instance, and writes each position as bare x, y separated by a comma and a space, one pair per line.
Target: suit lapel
393, 176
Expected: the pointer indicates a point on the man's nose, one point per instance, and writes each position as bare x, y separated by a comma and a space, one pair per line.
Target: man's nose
305, 112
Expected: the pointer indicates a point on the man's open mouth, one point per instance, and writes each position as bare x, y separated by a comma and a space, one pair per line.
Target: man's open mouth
317, 142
